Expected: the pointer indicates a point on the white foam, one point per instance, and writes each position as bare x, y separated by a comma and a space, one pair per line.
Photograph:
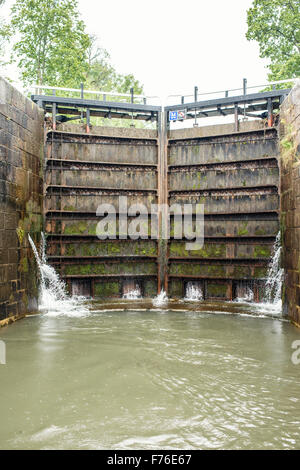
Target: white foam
268, 308
249, 296
271, 304
160, 299
193, 292
132, 295
53, 297
275, 275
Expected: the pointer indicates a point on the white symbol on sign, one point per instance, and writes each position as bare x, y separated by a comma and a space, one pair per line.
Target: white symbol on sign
173, 116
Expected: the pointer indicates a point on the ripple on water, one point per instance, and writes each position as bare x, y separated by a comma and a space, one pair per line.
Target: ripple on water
140, 379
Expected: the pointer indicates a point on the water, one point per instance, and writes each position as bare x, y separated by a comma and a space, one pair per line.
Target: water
275, 274
53, 297
187, 375
193, 292
175, 378
132, 291
55, 300
247, 297
272, 304
132, 295
161, 299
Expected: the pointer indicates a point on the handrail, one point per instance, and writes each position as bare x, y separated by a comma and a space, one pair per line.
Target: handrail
94, 92
276, 82
245, 87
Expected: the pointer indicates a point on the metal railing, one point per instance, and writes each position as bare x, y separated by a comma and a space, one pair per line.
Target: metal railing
226, 93
146, 99
126, 97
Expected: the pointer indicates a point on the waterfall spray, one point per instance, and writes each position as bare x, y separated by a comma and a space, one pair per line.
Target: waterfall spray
247, 295
275, 275
51, 287
193, 292
160, 299
132, 294
42, 248
53, 297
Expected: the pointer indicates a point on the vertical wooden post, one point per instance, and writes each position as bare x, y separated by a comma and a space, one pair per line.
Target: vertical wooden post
236, 118
162, 242
270, 113
54, 116
88, 120
229, 293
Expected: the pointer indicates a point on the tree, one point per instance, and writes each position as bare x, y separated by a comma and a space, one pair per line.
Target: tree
52, 48
52, 43
101, 75
3, 33
275, 25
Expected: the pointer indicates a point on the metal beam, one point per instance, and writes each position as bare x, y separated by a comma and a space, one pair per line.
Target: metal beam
228, 111
96, 104
241, 99
102, 113
270, 112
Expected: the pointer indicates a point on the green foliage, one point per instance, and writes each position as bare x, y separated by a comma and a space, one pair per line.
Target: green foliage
288, 146
52, 48
101, 75
262, 252
242, 231
4, 33
216, 290
275, 25
107, 289
52, 44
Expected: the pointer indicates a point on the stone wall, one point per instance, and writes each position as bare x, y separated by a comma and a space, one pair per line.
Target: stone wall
290, 201
21, 175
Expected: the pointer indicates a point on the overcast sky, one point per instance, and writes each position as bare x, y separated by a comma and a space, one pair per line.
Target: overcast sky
172, 45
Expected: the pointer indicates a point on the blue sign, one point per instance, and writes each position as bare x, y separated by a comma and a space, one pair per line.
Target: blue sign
173, 115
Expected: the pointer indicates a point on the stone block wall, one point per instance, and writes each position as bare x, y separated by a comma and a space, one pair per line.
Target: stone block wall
21, 193
290, 201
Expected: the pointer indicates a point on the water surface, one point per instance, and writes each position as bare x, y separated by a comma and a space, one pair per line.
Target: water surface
183, 376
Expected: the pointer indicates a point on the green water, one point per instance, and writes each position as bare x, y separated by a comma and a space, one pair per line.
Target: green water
150, 379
